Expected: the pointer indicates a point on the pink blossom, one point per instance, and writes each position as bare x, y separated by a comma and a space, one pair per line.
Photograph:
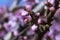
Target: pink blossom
52, 9
37, 14
36, 1
15, 33
51, 1
24, 13
45, 7
39, 21
34, 27
25, 37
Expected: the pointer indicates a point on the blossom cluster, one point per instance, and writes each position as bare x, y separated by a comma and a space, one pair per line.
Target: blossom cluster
24, 24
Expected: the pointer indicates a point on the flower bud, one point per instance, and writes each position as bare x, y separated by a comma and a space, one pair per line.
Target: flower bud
52, 9
34, 27
39, 21
37, 14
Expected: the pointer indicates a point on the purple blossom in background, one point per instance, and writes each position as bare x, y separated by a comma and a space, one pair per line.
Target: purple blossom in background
28, 7
2, 33
6, 26
54, 31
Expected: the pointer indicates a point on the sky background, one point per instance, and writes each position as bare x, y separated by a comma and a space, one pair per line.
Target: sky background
9, 2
